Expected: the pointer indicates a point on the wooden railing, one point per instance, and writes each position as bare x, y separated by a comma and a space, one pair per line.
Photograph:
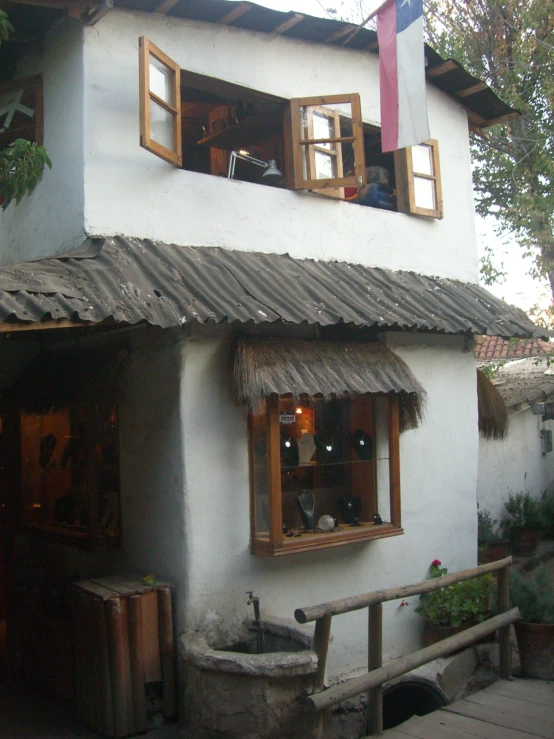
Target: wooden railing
377, 674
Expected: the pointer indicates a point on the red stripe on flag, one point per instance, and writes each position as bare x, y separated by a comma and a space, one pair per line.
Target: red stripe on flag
388, 73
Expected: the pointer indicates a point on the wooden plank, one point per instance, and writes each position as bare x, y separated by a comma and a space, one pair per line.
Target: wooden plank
274, 471
232, 15
443, 68
105, 699
293, 20
7, 327
471, 90
117, 666
341, 33
533, 691
432, 729
150, 638
136, 659
321, 647
375, 660
394, 460
167, 652
499, 717
127, 666
509, 703
116, 588
165, 6
464, 726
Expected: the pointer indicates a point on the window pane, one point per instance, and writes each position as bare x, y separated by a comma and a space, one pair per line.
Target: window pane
422, 158
328, 465
424, 191
161, 80
325, 166
162, 124
323, 128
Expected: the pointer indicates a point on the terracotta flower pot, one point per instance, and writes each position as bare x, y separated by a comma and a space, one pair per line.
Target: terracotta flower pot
525, 541
536, 649
432, 634
495, 550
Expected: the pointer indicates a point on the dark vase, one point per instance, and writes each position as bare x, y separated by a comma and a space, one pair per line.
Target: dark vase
536, 649
525, 541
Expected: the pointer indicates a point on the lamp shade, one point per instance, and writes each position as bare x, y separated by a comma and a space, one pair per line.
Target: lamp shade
272, 175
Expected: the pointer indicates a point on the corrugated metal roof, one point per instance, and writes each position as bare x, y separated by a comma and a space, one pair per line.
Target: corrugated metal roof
483, 105
132, 280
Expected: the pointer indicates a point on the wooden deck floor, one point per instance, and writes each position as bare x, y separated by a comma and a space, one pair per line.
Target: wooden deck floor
518, 709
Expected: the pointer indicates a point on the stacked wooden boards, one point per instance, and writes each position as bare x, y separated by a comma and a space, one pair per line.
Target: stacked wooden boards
123, 642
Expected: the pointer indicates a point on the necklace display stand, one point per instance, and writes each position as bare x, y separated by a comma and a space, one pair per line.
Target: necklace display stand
306, 505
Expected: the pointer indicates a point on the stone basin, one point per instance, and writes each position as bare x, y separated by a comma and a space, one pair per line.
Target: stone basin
233, 693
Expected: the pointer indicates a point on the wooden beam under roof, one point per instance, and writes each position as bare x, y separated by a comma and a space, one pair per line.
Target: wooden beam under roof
165, 6
9, 327
501, 119
75, 8
293, 20
471, 90
340, 33
443, 68
238, 11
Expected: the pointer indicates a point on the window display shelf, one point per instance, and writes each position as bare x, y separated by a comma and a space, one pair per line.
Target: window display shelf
246, 132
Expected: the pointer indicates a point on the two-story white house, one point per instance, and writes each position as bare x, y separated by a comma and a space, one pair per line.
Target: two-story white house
234, 374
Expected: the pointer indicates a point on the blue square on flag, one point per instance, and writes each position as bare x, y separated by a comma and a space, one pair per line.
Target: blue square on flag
407, 11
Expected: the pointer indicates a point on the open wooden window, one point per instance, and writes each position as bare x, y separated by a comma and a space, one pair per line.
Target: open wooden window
418, 176
327, 141
21, 111
337, 457
160, 103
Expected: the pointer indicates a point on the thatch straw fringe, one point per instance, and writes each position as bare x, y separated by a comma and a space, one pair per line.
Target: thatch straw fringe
493, 414
316, 369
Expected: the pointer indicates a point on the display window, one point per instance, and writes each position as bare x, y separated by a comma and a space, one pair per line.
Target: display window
70, 475
324, 473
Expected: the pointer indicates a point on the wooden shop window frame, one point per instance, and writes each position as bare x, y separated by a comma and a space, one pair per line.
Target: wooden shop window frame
274, 544
307, 181
406, 176
146, 50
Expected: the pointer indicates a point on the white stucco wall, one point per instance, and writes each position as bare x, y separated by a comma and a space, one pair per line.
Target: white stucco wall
439, 476
514, 464
130, 191
51, 219
152, 499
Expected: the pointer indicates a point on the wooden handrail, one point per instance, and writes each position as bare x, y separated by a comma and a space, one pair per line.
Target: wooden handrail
373, 680
356, 602
396, 667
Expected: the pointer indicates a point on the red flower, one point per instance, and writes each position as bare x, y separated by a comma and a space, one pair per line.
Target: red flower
436, 563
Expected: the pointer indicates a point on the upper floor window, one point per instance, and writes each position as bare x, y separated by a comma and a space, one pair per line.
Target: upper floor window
318, 143
21, 111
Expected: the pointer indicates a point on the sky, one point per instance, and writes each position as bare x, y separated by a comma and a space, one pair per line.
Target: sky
518, 287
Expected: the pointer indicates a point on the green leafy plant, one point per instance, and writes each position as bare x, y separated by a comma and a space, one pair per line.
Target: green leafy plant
523, 511
21, 168
470, 601
5, 26
533, 596
488, 530
546, 505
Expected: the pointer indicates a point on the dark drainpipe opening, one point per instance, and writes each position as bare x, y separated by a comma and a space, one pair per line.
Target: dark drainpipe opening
410, 697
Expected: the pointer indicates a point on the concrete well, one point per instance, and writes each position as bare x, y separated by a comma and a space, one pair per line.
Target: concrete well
242, 695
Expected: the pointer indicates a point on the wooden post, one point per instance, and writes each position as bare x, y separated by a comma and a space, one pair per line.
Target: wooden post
375, 660
136, 658
505, 647
321, 646
273, 443
114, 630
394, 460
167, 655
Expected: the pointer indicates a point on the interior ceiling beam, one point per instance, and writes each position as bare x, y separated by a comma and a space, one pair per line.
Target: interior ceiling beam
293, 20
165, 6
235, 13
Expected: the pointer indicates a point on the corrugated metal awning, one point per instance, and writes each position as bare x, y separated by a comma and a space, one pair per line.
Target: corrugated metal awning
132, 280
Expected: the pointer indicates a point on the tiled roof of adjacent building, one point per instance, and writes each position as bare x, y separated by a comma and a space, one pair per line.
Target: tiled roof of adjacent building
490, 348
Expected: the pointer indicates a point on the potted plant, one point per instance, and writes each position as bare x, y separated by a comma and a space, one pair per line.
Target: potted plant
491, 544
535, 631
524, 519
546, 505
456, 607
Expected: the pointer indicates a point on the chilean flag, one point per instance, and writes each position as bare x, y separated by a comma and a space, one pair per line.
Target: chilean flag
402, 74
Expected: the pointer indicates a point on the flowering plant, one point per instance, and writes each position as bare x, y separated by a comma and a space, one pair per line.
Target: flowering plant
470, 601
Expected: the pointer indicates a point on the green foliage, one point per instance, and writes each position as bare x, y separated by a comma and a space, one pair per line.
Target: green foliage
533, 596
490, 274
487, 529
523, 511
5, 26
546, 505
509, 45
21, 167
470, 601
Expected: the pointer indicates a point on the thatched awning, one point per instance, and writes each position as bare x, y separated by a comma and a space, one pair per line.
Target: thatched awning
493, 414
309, 369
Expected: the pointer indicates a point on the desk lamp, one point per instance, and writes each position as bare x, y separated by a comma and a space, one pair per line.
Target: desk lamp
271, 175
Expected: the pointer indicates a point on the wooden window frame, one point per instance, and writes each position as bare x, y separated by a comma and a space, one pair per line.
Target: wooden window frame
275, 544
38, 119
147, 49
405, 181
301, 182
